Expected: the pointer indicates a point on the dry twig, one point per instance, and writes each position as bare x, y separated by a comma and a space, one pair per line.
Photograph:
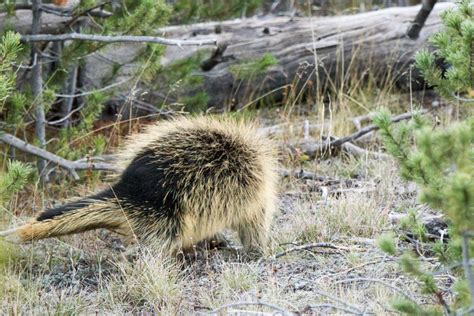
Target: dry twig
306, 175
280, 310
356, 310
309, 246
314, 307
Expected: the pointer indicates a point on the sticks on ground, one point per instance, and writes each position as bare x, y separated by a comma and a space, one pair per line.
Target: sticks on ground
306, 175
354, 309
325, 306
315, 149
261, 304
71, 166
309, 246
387, 284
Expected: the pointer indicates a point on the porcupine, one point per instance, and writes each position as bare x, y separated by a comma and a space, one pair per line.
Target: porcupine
183, 181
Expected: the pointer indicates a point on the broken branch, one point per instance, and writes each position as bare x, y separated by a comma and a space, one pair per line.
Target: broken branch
312, 149
114, 39
71, 166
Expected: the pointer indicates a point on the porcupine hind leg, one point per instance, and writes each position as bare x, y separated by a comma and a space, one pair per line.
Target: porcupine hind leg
253, 233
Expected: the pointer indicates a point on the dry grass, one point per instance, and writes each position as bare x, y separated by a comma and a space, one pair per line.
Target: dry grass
91, 273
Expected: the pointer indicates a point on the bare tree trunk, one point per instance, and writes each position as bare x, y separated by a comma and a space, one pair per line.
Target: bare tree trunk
37, 85
70, 87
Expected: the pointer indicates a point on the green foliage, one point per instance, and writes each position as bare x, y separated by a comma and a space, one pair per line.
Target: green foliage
461, 291
150, 57
9, 50
251, 68
387, 244
135, 17
12, 106
15, 107
197, 103
13, 179
441, 162
455, 46
180, 72
413, 225
181, 76
189, 11
96, 143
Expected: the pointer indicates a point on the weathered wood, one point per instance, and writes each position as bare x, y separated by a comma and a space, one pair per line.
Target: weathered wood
313, 149
342, 46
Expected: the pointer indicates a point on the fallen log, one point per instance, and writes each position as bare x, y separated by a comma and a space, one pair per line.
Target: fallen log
345, 49
21, 22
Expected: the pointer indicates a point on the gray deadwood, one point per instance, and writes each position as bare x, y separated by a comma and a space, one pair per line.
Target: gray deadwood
373, 42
